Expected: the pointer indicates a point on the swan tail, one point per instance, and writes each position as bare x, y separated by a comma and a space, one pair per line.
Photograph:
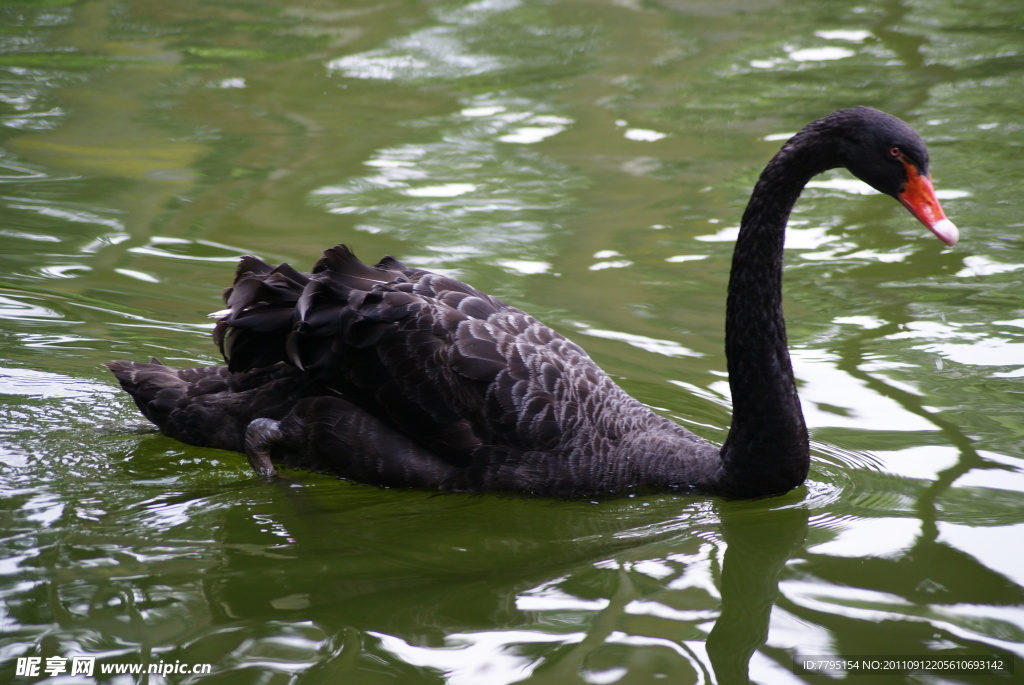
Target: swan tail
155, 388
209, 406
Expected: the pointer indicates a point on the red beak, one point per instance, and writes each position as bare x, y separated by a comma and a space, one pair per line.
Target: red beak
918, 196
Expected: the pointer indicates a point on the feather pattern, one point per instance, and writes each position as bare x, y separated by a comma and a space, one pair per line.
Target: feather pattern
479, 385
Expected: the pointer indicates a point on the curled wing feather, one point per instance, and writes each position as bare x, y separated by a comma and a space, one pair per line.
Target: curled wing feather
442, 362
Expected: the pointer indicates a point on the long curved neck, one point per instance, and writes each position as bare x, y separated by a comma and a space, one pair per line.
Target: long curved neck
766, 451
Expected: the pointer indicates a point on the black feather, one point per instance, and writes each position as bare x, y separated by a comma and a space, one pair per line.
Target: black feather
394, 375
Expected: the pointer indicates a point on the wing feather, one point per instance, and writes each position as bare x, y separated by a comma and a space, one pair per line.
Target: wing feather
418, 350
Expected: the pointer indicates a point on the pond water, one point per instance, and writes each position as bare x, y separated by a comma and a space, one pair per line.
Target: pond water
588, 161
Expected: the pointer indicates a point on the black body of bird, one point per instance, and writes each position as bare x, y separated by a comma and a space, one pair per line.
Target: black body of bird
396, 376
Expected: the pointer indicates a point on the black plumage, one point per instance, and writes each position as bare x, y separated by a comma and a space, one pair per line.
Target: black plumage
397, 376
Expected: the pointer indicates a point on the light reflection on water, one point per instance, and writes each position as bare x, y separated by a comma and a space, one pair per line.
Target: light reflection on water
588, 168
424, 184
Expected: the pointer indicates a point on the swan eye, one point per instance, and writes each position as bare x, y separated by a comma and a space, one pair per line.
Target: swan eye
895, 151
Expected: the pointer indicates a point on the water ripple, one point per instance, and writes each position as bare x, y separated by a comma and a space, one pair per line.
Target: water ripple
499, 204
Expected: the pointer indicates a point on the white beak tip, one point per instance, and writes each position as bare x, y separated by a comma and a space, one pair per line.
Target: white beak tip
946, 231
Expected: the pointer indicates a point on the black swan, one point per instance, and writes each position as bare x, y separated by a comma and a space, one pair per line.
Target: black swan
396, 376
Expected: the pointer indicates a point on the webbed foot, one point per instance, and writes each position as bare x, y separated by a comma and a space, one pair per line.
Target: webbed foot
260, 436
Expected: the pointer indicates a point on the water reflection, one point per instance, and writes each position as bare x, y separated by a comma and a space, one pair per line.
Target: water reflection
760, 543
478, 186
611, 602
459, 44
928, 592
644, 604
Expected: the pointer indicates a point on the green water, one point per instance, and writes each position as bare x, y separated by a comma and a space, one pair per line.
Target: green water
587, 161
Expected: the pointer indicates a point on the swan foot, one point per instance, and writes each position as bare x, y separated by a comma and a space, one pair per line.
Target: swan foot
260, 436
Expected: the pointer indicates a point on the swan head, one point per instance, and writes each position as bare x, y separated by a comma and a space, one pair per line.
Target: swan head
890, 156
